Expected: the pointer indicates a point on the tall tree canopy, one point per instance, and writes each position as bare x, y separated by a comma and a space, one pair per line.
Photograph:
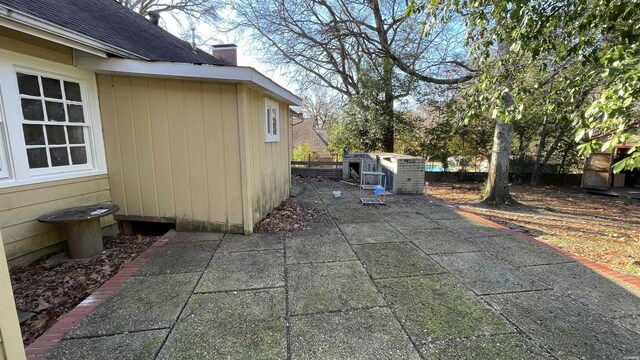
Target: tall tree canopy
370, 52
589, 50
585, 54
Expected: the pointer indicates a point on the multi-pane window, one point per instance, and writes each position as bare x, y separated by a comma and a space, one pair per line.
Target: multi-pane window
54, 127
50, 126
272, 121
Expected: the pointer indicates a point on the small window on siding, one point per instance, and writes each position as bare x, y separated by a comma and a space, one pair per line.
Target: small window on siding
272, 121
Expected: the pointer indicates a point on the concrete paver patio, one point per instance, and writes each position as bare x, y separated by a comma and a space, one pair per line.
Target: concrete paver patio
409, 280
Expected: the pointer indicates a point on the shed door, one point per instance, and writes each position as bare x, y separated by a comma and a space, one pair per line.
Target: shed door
597, 171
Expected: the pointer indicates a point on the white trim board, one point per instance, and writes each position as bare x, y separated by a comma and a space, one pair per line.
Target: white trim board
186, 71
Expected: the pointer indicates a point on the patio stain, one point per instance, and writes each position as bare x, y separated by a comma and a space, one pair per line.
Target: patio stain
375, 334
437, 241
325, 287
409, 220
318, 248
142, 303
593, 290
180, 258
230, 325
438, 307
468, 229
387, 260
243, 270
370, 233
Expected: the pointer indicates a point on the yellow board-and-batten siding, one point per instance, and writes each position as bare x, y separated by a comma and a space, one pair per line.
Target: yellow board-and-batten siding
173, 149
193, 151
10, 337
269, 162
25, 239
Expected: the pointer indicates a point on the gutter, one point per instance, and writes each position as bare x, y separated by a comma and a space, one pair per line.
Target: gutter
161, 69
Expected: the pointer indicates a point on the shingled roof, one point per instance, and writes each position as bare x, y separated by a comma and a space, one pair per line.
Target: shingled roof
108, 22
305, 132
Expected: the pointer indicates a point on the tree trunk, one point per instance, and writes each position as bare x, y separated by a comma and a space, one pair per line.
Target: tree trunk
537, 169
554, 146
497, 187
388, 141
565, 156
496, 190
388, 138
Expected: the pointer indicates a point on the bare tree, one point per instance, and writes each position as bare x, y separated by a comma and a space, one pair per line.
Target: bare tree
339, 43
194, 10
322, 105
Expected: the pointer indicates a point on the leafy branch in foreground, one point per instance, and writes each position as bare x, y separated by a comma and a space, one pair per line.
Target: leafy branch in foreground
596, 39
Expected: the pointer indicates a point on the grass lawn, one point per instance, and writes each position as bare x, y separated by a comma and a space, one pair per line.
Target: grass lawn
603, 229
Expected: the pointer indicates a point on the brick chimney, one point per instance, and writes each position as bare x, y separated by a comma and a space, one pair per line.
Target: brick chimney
154, 17
226, 52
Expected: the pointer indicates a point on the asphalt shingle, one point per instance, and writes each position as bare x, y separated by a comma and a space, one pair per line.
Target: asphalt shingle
108, 22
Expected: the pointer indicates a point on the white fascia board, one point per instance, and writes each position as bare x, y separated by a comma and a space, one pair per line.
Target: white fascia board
186, 71
46, 30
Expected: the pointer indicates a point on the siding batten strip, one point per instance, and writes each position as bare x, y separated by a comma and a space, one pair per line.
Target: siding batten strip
245, 168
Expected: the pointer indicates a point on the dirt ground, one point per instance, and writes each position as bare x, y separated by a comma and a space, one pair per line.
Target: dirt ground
51, 287
603, 229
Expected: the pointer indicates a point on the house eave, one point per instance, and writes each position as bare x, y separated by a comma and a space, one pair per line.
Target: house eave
241, 74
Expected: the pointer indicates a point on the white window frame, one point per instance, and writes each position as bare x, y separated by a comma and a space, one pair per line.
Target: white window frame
4, 162
16, 162
271, 107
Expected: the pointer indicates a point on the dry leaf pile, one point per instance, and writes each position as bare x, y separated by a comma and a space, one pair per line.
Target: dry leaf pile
286, 217
49, 289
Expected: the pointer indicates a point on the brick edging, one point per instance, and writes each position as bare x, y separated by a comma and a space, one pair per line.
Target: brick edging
66, 322
584, 261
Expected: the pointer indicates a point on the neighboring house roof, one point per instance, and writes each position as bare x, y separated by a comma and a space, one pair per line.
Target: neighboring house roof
304, 132
323, 135
108, 22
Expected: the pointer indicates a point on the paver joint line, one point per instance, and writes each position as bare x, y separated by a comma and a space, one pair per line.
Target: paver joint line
120, 333
186, 302
286, 298
406, 333
234, 291
341, 311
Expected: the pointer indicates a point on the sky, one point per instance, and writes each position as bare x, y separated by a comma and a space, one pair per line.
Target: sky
247, 51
